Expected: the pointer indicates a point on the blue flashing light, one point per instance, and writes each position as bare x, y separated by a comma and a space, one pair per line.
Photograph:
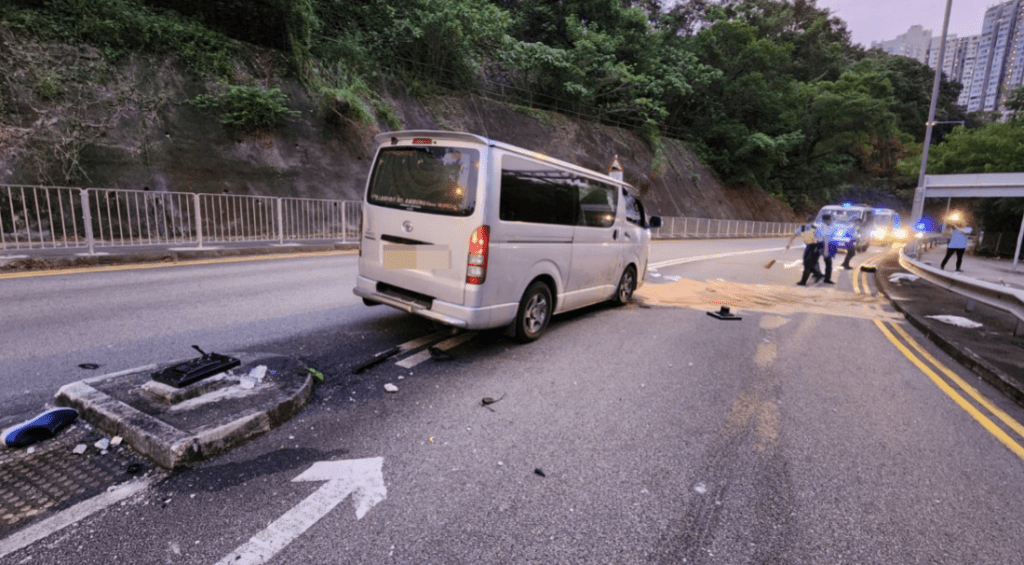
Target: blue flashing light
847, 204
926, 224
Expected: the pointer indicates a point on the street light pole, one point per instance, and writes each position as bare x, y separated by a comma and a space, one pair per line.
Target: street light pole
918, 209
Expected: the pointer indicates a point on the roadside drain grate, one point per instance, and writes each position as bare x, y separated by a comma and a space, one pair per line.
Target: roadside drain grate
54, 476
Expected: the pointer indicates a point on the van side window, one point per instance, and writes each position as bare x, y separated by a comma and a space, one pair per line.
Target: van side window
597, 204
634, 209
532, 192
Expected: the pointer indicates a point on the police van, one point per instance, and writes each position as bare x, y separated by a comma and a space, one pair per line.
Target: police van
843, 218
476, 233
887, 227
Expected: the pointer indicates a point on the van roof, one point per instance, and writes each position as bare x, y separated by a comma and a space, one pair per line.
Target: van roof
464, 137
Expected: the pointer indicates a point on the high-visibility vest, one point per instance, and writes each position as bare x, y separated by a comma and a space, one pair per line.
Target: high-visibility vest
808, 234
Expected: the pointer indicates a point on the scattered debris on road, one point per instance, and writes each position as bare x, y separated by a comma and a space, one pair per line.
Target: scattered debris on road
900, 277
438, 354
316, 374
956, 321
42, 427
378, 358
724, 314
487, 401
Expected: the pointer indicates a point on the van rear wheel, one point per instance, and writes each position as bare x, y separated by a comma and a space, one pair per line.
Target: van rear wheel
534, 312
627, 284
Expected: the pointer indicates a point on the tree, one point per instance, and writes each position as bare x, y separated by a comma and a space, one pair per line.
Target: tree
1015, 101
821, 42
741, 115
995, 148
912, 83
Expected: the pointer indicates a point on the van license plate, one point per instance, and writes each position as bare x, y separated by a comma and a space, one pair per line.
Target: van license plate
419, 257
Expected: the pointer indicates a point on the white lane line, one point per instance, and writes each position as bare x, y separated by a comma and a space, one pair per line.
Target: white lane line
683, 260
421, 341
413, 360
36, 532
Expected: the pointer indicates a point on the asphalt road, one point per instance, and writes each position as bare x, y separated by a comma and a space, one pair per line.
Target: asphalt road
651, 433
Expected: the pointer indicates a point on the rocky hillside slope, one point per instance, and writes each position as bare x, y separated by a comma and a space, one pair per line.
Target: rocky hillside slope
71, 117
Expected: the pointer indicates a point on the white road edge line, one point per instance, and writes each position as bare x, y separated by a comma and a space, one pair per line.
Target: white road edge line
683, 260
84, 509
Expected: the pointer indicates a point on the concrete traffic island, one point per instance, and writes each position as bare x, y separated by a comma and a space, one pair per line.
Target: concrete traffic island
177, 426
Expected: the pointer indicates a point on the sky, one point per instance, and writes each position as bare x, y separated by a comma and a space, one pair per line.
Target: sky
878, 20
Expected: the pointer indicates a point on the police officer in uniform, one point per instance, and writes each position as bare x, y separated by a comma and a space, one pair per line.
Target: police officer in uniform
851, 251
828, 247
812, 250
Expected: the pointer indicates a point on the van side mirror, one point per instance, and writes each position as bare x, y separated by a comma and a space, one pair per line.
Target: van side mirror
654, 222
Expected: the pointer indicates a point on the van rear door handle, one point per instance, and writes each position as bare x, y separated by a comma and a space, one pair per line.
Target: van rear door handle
615, 234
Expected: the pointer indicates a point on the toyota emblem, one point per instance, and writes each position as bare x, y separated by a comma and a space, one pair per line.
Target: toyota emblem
407, 226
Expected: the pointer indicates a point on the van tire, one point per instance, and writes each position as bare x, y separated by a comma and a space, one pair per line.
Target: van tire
534, 312
627, 284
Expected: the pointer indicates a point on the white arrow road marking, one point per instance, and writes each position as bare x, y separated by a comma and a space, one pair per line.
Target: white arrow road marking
362, 478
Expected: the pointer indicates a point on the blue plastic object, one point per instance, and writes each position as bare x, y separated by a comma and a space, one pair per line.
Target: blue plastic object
43, 426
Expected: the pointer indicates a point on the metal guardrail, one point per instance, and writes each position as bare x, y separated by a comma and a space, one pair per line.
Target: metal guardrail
683, 227
997, 296
37, 217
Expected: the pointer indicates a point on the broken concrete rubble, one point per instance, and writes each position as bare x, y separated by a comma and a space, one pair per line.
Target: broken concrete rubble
177, 426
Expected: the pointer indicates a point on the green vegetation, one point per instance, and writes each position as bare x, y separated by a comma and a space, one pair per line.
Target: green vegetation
119, 26
769, 93
994, 148
248, 108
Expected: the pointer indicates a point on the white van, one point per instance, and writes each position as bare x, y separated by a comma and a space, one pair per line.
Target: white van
476, 234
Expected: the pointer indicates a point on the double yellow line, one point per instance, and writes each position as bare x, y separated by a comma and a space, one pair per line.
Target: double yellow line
931, 367
977, 414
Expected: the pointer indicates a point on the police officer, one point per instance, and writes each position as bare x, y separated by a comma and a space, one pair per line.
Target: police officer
824, 234
812, 250
851, 251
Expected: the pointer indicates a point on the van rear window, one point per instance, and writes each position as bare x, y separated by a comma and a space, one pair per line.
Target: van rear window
436, 180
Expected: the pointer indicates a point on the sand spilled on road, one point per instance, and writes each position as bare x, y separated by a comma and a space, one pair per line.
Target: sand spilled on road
713, 294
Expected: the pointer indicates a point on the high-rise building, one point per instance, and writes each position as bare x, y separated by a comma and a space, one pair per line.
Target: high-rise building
949, 57
1014, 58
989, 66
967, 54
914, 44
998, 59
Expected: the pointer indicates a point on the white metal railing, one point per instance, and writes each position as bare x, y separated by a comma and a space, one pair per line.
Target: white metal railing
36, 217
682, 227
997, 296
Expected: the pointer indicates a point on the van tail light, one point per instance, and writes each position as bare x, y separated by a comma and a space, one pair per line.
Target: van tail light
476, 262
